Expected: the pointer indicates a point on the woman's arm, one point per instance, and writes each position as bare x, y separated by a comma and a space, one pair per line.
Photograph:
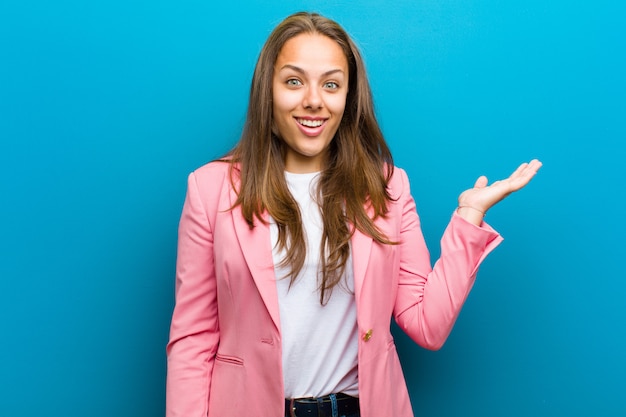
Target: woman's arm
429, 299
194, 333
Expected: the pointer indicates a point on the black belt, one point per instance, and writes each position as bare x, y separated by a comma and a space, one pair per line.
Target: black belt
321, 407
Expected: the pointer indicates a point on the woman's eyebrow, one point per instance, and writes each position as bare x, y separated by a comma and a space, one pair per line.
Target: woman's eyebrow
301, 71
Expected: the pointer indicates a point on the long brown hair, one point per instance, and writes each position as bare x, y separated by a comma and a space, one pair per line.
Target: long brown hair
352, 188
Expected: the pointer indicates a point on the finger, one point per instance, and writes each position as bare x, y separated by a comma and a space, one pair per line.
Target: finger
534, 165
524, 174
531, 169
519, 171
526, 170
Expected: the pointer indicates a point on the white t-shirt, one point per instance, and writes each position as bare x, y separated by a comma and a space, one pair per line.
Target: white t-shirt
319, 342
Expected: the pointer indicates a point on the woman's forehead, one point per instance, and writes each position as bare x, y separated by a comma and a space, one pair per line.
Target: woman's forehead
312, 52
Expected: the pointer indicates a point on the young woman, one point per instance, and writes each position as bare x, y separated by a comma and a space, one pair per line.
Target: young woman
297, 248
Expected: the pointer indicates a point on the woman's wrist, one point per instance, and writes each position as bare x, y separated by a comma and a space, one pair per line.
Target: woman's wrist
471, 214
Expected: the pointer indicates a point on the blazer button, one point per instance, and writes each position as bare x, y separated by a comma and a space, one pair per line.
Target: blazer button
368, 335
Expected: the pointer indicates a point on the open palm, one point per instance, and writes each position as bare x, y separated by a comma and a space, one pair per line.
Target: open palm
482, 196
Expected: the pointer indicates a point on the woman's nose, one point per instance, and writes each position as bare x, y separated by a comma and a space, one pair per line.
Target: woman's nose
312, 99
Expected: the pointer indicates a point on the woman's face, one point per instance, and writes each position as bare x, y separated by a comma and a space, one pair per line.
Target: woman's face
310, 87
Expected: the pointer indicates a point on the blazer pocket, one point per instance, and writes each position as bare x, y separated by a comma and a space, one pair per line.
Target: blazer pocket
228, 382
232, 360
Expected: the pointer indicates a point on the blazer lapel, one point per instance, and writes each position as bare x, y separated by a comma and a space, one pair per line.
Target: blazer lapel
361, 249
257, 250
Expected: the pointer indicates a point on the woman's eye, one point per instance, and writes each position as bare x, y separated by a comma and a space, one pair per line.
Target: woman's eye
331, 85
293, 82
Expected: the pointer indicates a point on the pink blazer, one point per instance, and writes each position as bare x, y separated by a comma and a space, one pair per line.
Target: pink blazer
224, 353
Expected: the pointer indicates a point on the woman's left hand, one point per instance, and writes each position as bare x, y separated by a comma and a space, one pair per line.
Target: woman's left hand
475, 202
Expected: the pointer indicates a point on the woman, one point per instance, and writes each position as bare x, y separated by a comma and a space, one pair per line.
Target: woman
296, 249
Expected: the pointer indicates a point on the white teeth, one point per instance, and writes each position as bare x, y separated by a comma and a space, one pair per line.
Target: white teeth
310, 123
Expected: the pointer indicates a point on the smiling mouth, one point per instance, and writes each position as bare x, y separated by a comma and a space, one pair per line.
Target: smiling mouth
311, 123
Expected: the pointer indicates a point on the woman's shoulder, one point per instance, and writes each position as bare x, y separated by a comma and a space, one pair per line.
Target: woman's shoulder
214, 170
398, 182
397, 173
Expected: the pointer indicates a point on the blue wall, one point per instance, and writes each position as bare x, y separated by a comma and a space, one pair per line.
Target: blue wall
106, 106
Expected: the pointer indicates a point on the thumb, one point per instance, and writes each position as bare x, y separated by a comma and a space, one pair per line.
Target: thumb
481, 182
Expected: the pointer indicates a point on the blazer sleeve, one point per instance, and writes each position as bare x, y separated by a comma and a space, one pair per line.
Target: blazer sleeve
429, 299
194, 332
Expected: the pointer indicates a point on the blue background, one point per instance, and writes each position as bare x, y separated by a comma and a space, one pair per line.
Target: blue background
106, 106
